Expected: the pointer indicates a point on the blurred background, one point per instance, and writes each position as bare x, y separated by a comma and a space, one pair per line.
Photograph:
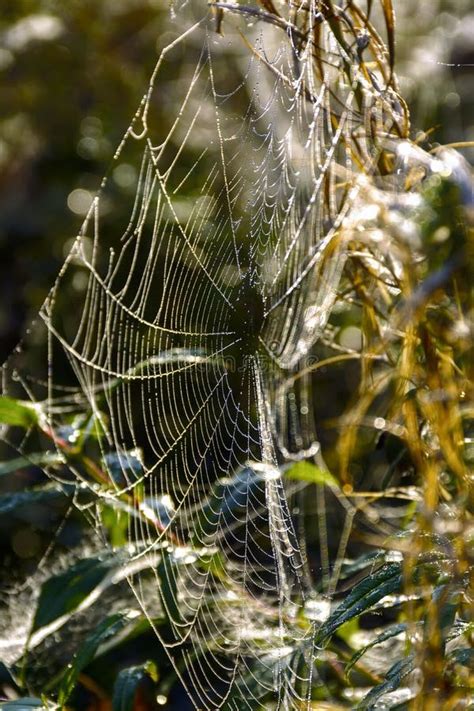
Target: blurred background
71, 76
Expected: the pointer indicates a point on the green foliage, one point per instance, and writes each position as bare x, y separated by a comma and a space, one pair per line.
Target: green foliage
64, 593
393, 681
40, 459
109, 629
305, 471
127, 684
20, 501
23, 704
392, 631
16, 413
362, 597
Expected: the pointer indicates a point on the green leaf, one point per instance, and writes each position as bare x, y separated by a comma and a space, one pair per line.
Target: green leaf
446, 599
116, 520
17, 413
226, 503
393, 680
463, 656
22, 704
362, 562
390, 632
258, 680
305, 471
214, 563
127, 684
106, 631
362, 597
123, 464
62, 594
168, 574
11, 503
36, 459
460, 627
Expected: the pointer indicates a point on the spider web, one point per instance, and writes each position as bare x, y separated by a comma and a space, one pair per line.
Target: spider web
201, 296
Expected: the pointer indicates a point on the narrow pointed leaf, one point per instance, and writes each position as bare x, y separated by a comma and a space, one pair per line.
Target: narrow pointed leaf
305, 471
128, 683
464, 656
106, 631
393, 681
64, 593
17, 503
390, 632
24, 704
36, 459
364, 595
17, 413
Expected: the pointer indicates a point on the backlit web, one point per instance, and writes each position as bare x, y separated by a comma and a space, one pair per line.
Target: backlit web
197, 301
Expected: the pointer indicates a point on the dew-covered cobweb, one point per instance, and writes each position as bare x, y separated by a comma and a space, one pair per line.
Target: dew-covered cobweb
198, 292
